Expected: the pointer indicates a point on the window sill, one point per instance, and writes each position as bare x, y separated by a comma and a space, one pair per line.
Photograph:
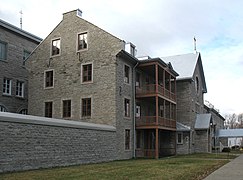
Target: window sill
127, 118
4, 60
7, 95
82, 50
20, 97
52, 87
87, 82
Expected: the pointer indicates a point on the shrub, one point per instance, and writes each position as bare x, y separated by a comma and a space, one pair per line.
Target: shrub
226, 149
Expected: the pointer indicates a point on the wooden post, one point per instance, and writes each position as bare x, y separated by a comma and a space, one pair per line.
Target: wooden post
156, 78
156, 143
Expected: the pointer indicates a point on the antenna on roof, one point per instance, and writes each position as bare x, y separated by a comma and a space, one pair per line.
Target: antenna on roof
21, 18
195, 44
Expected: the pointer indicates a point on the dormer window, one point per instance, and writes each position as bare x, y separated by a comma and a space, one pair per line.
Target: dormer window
55, 48
82, 41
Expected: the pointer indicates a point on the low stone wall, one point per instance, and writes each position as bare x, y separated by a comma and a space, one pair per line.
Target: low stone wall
30, 142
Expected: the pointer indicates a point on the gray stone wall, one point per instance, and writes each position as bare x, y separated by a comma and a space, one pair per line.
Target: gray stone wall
29, 142
184, 147
202, 142
101, 52
14, 69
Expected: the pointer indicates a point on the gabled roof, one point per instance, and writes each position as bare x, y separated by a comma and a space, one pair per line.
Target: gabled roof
229, 133
20, 31
185, 65
182, 127
203, 121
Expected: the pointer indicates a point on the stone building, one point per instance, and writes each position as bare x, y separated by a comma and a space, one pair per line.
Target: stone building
15, 47
81, 72
194, 130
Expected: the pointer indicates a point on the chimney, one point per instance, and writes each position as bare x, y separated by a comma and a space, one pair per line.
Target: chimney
79, 13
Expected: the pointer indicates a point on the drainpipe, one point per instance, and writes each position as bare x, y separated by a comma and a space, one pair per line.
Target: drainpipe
134, 110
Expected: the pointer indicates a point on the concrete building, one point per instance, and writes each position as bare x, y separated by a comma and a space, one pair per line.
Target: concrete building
15, 47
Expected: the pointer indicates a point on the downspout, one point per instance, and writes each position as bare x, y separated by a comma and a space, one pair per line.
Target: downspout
134, 110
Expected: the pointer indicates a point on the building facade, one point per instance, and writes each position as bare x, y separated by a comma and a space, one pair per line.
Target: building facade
15, 47
83, 73
194, 130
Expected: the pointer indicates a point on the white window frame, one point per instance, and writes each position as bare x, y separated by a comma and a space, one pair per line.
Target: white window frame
7, 89
81, 107
92, 71
129, 74
6, 51
20, 89
129, 115
181, 139
49, 87
77, 42
59, 38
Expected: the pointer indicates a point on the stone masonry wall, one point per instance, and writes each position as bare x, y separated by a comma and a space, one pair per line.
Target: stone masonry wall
201, 141
13, 68
29, 142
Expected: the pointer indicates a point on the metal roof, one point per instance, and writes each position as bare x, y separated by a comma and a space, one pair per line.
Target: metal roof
20, 31
229, 133
203, 121
182, 127
184, 64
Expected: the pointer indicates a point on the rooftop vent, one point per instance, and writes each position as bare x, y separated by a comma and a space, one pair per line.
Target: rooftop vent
79, 13
142, 58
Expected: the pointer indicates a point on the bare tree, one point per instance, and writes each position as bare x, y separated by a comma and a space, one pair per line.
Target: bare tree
240, 120
231, 121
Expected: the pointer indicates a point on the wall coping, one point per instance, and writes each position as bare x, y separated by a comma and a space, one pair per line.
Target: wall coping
29, 119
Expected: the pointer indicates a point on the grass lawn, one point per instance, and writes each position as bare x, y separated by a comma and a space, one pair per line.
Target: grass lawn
195, 166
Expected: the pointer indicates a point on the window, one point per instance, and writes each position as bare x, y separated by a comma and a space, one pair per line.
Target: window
20, 89
138, 81
127, 107
126, 73
138, 111
23, 111
7, 85
26, 54
179, 138
3, 51
127, 139
86, 107
55, 48
2, 109
86, 73
49, 79
48, 109
66, 108
197, 85
133, 50
82, 41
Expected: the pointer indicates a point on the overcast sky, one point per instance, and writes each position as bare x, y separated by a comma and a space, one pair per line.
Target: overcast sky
158, 28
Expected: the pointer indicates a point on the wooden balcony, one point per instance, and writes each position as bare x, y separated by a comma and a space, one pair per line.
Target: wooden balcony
147, 121
151, 89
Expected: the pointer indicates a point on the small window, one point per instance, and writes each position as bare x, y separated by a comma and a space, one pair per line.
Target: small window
127, 107
7, 85
197, 85
82, 41
127, 139
86, 73
179, 138
26, 54
126, 74
67, 108
138, 80
3, 51
48, 109
2, 109
49, 79
55, 48
86, 107
23, 111
20, 89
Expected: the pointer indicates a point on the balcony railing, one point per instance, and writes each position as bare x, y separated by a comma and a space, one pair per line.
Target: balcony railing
151, 89
151, 121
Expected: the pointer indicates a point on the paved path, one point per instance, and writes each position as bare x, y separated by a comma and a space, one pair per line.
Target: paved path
230, 171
